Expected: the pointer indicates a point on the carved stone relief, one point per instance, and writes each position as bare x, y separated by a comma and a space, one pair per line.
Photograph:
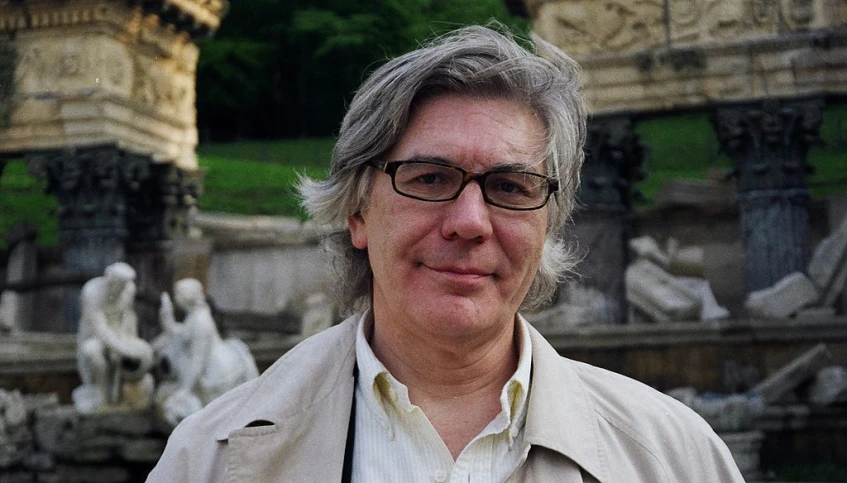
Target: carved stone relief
798, 14
582, 28
837, 11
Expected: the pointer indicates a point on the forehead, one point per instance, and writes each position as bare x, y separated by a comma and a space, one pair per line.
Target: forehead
475, 133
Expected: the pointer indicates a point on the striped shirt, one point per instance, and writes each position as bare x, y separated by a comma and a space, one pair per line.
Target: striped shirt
395, 441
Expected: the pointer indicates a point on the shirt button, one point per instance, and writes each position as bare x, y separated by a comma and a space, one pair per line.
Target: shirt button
440, 476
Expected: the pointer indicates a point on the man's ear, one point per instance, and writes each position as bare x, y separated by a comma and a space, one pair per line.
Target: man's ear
358, 231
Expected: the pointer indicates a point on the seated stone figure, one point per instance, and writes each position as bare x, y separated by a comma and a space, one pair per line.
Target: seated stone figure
109, 351
196, 364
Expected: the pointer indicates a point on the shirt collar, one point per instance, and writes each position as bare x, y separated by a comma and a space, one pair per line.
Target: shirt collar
380, 388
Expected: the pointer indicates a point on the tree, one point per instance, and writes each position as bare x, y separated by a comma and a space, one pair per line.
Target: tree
287, 68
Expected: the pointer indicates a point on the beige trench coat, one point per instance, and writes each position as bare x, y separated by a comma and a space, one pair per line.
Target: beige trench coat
585, 424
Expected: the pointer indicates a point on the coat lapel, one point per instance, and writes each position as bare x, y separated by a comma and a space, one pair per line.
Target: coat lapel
560, 416
294, 425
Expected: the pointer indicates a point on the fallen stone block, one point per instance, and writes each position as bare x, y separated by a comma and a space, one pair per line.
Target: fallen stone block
710, 309
829, 387
646, 247
686, 261
792, 375
784, 299
828, 267
658, 295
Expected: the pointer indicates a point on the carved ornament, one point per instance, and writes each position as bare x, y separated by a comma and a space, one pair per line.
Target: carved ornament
585, 27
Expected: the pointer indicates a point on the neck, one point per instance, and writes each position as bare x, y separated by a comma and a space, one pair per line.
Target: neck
457, 384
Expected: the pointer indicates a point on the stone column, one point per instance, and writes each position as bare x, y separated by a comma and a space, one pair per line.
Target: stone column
768, 144
602, 223
92, 186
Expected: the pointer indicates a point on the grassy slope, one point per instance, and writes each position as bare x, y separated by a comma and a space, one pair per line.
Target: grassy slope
253, 177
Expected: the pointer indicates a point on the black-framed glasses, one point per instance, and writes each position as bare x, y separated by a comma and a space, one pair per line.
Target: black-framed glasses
434, 181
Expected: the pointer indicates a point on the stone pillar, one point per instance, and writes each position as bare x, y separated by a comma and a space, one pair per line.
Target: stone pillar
768, 144
92, 186
602, 223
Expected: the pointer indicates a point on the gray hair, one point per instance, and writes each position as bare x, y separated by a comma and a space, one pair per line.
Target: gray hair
475, 61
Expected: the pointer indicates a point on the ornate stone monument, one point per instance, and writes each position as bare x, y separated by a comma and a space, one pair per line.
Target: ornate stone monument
763, 68
102, 105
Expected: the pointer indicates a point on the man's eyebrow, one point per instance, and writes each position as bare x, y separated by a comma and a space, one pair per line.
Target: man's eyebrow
504, 166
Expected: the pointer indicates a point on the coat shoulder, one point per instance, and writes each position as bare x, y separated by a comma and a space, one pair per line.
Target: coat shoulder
642, 420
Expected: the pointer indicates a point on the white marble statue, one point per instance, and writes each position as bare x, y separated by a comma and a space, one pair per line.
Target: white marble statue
196, 364
113, 361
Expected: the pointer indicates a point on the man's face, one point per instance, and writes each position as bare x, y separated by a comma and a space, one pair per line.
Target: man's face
457, 268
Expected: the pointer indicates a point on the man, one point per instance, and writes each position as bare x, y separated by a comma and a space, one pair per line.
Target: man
455, 169
109, 351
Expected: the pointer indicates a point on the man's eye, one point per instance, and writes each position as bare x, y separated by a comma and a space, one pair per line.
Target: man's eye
429, 178
511, 187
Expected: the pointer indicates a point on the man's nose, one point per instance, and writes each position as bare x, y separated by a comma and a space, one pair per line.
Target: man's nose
468, 216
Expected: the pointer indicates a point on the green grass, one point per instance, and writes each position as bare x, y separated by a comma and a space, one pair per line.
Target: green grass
253, 187
313, 152
677, 147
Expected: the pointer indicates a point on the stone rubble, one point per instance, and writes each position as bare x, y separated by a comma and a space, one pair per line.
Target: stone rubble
792, 375
785, 298
828, 267
829, 386
43, 441
658, 292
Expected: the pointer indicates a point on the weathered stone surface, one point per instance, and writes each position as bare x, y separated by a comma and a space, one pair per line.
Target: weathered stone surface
686, 261
659, 295
17, 477
647, 248
710, 309
786, 298
707, 194
792, 375
586, 305
668, 54
142, 450
829, 386
93, 73
16, 308
725, 413
826, 269
86, 474
745, 447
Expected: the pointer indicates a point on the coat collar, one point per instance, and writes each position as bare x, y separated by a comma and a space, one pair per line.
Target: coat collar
561, 415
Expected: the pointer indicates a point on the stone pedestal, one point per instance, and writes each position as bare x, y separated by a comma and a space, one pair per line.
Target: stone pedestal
745, 448
768, 143
613, 158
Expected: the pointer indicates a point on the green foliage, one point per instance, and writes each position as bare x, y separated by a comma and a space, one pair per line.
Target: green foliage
22, 199
287, 69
